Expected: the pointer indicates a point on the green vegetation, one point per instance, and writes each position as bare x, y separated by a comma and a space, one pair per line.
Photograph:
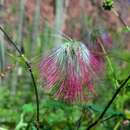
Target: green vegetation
18, 109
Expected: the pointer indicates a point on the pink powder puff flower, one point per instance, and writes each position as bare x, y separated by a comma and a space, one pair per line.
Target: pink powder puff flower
70, 71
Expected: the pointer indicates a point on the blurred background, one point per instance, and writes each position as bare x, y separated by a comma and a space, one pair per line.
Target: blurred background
37, 26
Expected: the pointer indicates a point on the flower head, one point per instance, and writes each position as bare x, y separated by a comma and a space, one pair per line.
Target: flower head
69, 70
108, 4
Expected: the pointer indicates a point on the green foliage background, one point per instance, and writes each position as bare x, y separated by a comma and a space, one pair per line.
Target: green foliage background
17, 99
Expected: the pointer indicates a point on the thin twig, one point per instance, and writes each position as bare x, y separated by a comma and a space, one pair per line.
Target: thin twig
120, 18
116, 84
109, 103
27, 62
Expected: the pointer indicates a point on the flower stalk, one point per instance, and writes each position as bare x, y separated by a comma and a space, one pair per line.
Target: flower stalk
109, 103
27, 62
116, 84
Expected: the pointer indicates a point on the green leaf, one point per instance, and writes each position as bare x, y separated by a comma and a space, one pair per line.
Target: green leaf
75, 114
28, 108
100, 108
125, 29
82, 128
127, 113
2, 128
56, 117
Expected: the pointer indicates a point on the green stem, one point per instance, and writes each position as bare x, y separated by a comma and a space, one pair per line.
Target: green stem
109, 104
27, 62
116, 84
